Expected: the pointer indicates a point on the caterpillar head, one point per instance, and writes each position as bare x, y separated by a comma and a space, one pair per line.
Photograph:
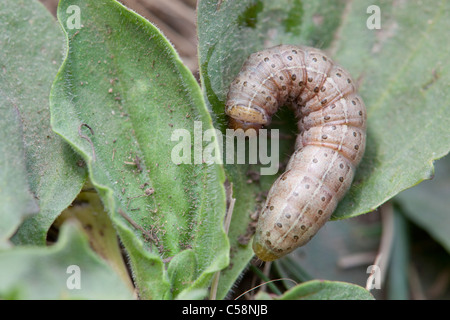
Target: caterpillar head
244, 117
238, 124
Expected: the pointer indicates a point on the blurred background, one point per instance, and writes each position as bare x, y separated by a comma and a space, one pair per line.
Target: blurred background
175, 18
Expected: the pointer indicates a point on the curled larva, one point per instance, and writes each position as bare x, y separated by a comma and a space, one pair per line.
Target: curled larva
330, 144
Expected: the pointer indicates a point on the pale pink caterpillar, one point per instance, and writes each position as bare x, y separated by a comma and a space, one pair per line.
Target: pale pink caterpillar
330, 144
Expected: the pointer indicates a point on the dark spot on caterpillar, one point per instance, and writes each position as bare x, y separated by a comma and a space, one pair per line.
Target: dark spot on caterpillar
323, 198
320, 212
338, 75
303, 227
356, 147
288, 216
268, 233
293, 77
279, 225
314, 59
324, 101
341, 179
315, 160
307, 186
341, 165
289, 58
324, 137
271, 208
310, 79
354, 134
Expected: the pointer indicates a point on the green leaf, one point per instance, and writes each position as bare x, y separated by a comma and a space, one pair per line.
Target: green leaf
46, 273
87, 210
182, 271
30, 53
326, 290
427, 204
401, 69
118, 99
404, 77
17, 201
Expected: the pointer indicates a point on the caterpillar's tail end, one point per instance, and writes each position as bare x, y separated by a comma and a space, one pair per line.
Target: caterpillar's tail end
263, 253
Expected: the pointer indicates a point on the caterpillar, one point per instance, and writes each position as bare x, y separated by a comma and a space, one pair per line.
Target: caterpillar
329, 146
